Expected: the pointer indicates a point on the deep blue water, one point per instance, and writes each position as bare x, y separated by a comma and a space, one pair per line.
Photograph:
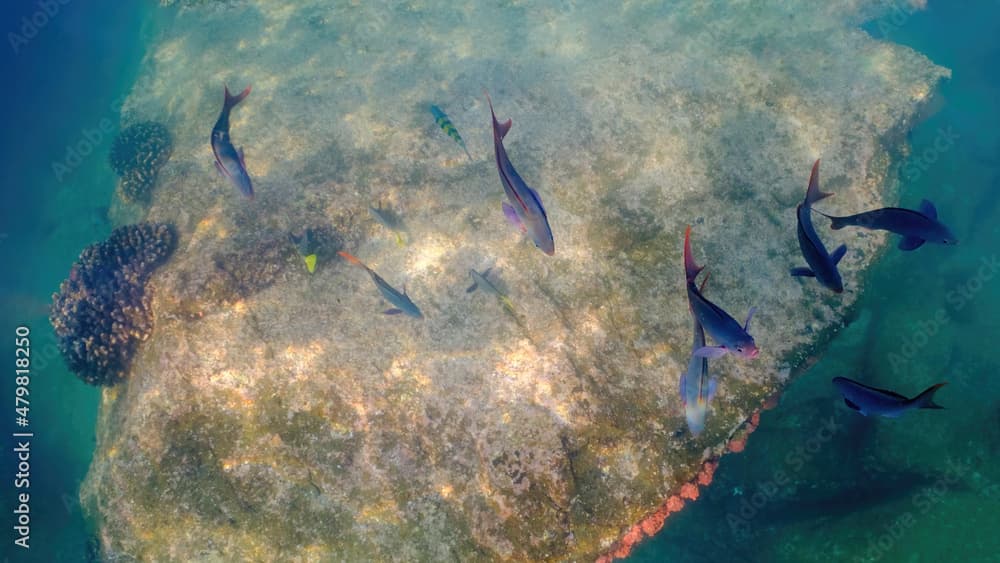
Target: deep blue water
928, 482
60, 88
921, 488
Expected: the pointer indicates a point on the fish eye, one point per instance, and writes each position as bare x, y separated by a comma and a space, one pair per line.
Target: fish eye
739, 349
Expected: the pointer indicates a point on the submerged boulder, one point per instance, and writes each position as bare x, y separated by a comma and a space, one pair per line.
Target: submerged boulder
294, 421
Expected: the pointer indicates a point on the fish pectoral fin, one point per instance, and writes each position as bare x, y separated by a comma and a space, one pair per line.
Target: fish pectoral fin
928, 209
472, 287
851, 404
220, 169
911, 243
683, 388
512, 217
710, 352
713, 386
243, 161
802, 272
838, 254
392, 311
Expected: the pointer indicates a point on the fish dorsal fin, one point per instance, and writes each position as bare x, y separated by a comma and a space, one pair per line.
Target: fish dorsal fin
746, 325
928, 209
838, 254
894, 395
704, 282
889, 393
243, 161
812, 193
472, 287
849, 403
683, 387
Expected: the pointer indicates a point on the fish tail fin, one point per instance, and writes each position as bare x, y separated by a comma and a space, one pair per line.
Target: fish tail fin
925, 400
352, 259
501, 129
232, 100
836, 223
812, 193
704, 282
691, 269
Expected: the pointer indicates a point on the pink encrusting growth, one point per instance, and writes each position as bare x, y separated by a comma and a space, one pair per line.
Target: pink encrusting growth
690, 491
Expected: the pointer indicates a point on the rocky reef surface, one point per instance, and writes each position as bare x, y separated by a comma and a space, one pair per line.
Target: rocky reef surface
136, 156
278, 415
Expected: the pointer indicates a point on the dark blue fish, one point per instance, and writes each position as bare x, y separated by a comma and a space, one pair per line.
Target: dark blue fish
822, 266
697, 390
525, 208
228, 159
400, 300
723, 328
881, 402
917, 227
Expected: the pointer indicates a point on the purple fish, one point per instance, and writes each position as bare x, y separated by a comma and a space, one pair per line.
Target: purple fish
881, 402
720, 325
697, 390
917, 227
822, 265
525, 208
228, 159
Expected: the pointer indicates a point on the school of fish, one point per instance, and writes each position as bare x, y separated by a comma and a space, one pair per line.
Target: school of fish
524, 210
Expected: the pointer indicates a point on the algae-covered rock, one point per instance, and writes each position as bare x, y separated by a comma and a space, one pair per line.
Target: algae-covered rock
279, 415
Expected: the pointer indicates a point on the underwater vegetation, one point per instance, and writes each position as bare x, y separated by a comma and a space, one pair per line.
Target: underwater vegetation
136, 156
101, 311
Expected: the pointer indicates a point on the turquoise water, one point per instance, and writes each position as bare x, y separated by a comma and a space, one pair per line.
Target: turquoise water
64, 83
921, 488
928, 482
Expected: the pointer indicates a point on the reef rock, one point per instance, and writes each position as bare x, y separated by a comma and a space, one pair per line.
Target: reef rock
136, 156
283, 417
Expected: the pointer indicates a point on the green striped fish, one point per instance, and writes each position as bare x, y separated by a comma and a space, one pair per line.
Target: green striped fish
444, 123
